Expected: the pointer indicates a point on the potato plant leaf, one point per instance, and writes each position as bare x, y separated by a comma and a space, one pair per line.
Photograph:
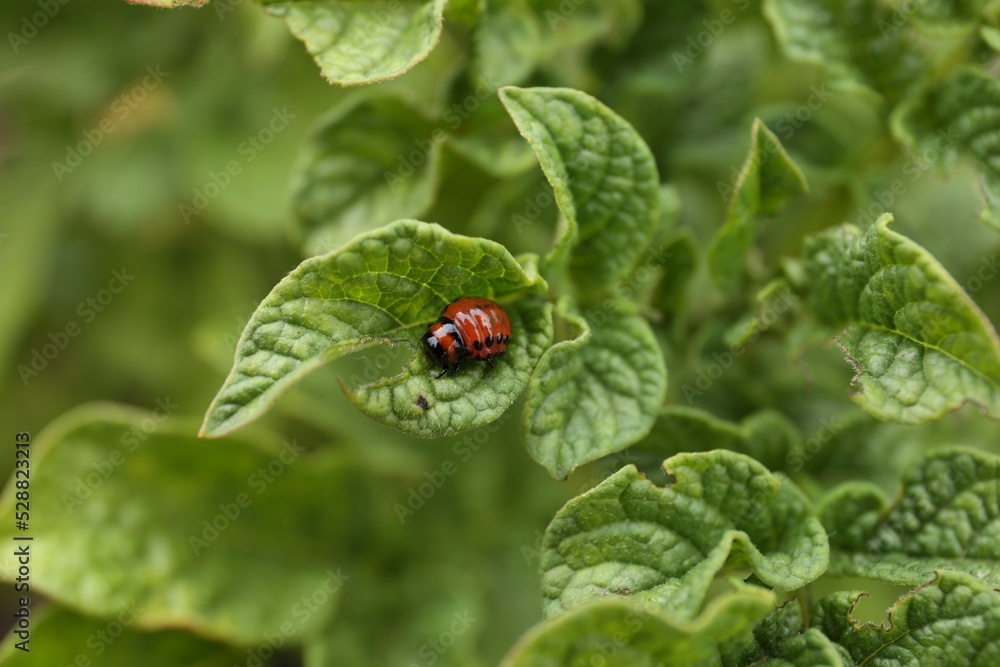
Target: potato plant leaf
365, 41
952, 622
603, 175
370, 161
629, 538
128, 512
958, 117
856, 41
594, 394
919, 345
768, 178
382, 287
947, 516
619, 633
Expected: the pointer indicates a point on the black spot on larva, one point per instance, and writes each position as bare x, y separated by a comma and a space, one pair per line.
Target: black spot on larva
506, 339
422, 402
478, 344
489, 341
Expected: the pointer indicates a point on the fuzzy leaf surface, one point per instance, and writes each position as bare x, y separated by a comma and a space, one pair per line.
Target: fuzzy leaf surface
594, 394
603, 175
947, 516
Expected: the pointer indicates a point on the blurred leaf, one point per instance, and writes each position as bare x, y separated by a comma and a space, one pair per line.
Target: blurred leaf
603, 175
618, 633
959, 116
951, 622
766, 435
364, 41
947, 516
370, 161
681, 248
782, 640
594, 394
857, 42
507, 42
128, 511
627, 537
60, 637
919, 345
382, 287
418, 403
768, 178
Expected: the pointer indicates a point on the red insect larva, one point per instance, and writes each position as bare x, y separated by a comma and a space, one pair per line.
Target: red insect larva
469, 327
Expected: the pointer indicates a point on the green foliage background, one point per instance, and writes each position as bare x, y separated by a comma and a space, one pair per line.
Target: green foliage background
843, 106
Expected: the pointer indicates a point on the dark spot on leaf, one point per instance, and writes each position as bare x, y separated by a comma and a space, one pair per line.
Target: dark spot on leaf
422, 402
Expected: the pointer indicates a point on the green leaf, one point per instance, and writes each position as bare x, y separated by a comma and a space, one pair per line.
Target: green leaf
947, 516
627, 537
129, 511
370, 161
958, 117
617, 633
475, 397
681, 248
951, 622
363, 41
768, 178
919, 345
766, 435
60, 637
507, 42
782, 640
596, 393
603, 175
855, 41
383, 286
